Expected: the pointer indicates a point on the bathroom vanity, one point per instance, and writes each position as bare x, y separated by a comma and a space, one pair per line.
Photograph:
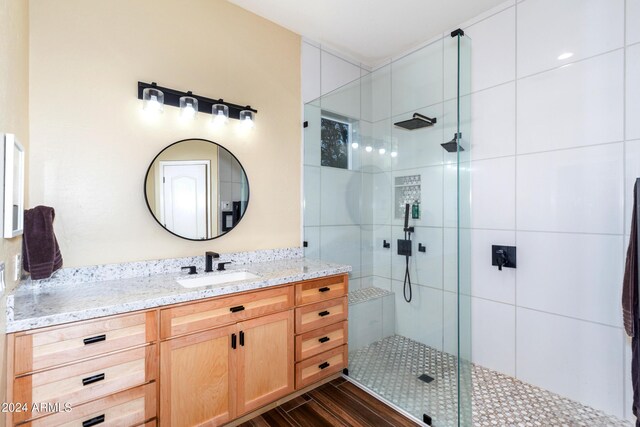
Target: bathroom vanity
165, 353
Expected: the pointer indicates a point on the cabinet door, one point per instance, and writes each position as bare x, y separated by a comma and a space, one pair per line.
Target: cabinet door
265, 360
198, 378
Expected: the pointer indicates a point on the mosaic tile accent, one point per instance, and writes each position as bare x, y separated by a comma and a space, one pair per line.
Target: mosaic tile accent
391, 367
367, 294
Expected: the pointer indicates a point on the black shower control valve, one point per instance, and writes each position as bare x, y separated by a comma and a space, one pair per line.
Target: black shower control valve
386, 244
404, 247
503, 256
422, 248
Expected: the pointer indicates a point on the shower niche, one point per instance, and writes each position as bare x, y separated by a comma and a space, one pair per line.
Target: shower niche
407, 190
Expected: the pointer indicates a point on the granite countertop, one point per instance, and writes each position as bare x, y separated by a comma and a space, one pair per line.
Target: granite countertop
32, 306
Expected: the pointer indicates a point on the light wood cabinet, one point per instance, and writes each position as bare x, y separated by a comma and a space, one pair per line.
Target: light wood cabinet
265, 360
198, 378
199, 363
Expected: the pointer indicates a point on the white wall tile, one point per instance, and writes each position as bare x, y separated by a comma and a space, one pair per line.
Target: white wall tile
366, 250
486, 280
312, 237
425, 267
633, 90
341, 244
381, 282
493, 335
311, 195
312, 134
633, 17
416, 80
548, 28
382, 204
493, 118
576, 359
421, 319
310, 72
576, 275
493, 194
355, 284
381, 93
365, 323
340, 200
577, 190
388, 315
450, 325
336, 72
632, 172
576, 105
381, 255
493, 50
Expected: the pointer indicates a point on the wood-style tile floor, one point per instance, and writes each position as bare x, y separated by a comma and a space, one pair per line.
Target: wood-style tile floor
337, 403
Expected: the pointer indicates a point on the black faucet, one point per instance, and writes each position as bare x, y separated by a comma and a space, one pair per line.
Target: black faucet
191, 268
208, 260
221, 265
502, 258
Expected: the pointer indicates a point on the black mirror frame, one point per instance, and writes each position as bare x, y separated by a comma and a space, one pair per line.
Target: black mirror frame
146, 198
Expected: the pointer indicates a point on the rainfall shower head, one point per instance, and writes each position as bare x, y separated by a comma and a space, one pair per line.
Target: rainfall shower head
417, 122
453, 146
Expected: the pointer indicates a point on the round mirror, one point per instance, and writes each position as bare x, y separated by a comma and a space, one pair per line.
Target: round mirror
196, 189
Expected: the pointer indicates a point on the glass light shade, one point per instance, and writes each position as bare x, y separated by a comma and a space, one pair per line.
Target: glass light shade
246, 118
152, 100
188, 107
220, 114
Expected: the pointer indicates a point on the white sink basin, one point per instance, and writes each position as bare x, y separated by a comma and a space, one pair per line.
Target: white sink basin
217, 279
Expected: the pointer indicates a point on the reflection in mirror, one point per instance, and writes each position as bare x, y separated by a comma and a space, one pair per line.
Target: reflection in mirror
196, 189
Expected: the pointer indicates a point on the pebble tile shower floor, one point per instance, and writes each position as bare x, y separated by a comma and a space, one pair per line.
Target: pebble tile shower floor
391, 367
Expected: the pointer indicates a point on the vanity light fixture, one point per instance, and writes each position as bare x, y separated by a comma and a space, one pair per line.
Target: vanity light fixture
220, 115
188, 107
246, 118
154, 97
152, 100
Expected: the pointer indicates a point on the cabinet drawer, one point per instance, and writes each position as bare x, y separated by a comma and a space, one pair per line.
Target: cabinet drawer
320, 340
127, 408
222, 311
88, 380
321, 289
44, 348
320, 314
321, 366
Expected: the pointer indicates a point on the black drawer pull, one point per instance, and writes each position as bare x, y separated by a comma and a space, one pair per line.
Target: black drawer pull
233, 341
93, 421
92, 379
236, 309
324, 365
93, 340
323, 313
324, 339
242, 338
325, 289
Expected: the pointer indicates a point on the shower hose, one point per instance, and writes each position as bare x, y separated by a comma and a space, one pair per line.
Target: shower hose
408, 294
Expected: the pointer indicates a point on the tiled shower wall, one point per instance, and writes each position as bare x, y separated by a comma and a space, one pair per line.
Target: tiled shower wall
555, 151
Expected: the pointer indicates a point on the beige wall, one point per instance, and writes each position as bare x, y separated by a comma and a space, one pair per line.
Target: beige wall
14, 116
91, 144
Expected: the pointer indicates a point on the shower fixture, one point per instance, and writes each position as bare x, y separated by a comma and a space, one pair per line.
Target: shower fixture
453, 146
404, 249
418, 121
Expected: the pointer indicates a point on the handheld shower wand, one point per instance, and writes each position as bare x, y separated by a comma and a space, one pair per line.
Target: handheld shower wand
404, 248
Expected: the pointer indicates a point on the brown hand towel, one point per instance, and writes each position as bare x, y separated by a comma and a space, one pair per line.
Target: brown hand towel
40, 251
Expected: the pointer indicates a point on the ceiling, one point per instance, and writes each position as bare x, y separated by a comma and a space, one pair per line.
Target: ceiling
368, 30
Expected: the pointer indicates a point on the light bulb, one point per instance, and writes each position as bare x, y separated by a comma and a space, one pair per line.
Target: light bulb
188, 107
354, 145
368, 148
188, 112
394, 154
219, 115
382, 151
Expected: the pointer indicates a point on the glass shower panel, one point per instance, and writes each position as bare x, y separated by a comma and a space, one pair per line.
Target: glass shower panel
409, 337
